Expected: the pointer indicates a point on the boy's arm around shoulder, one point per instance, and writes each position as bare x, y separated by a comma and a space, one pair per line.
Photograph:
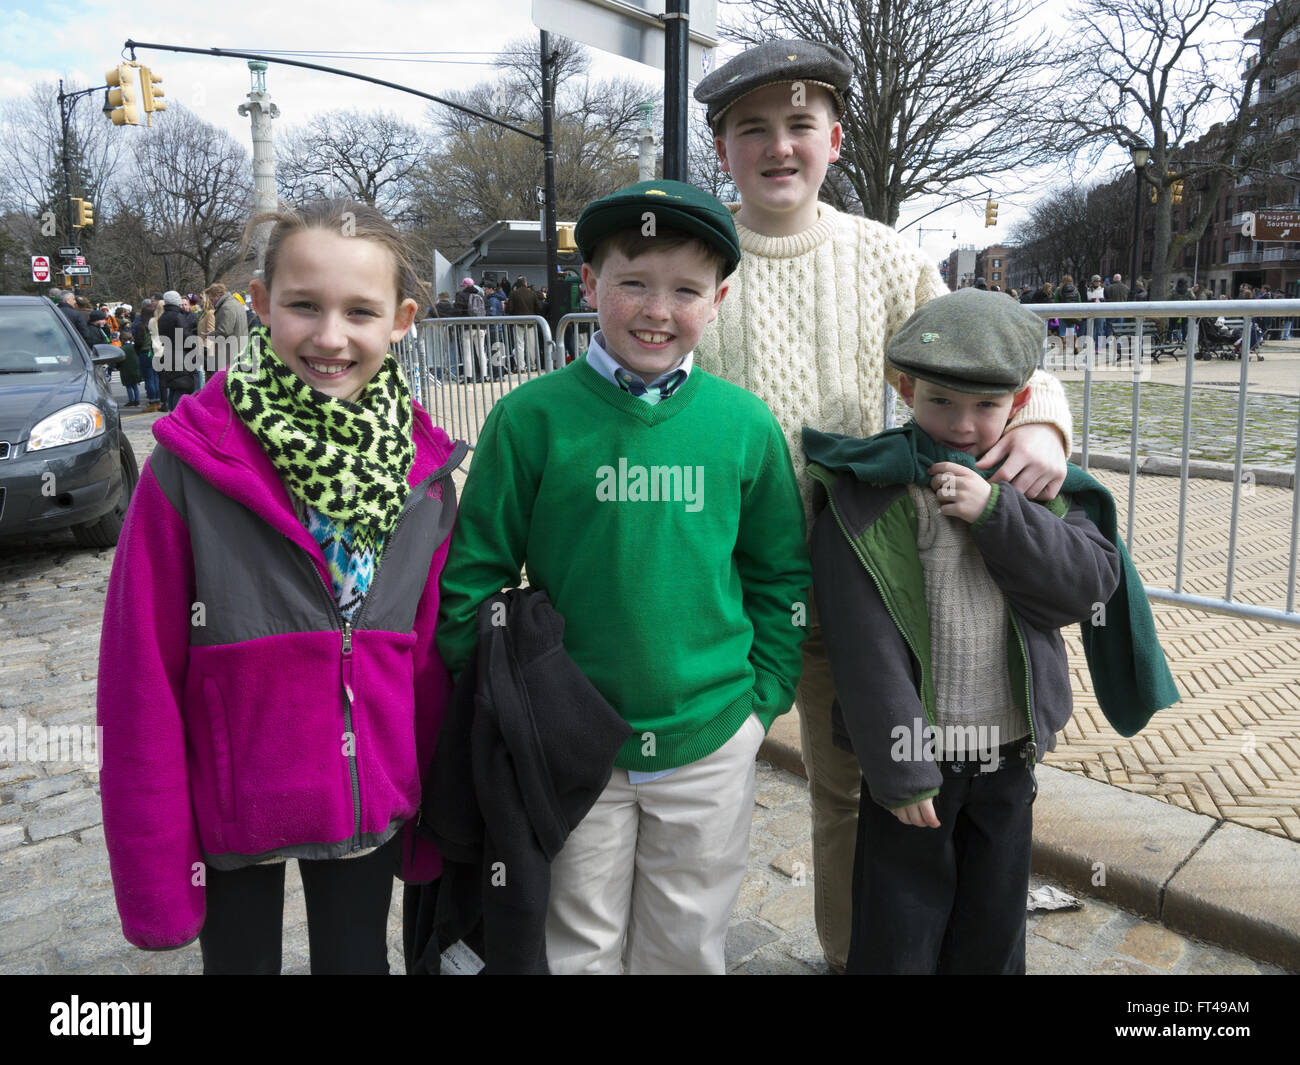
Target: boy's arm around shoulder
772, 560
149, 826
875, 673
489, 541
1047, 406
1054, 570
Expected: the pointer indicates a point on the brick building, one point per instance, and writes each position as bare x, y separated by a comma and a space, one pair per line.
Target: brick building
1224, 258
994, 265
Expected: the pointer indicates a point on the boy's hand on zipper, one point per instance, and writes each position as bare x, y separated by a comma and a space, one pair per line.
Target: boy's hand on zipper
962, 492
919, 813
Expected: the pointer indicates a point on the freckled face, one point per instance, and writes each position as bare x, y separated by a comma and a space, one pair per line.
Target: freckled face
653, 308
332, 309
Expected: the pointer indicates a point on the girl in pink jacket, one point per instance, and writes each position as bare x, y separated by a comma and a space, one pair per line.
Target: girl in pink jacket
276, 585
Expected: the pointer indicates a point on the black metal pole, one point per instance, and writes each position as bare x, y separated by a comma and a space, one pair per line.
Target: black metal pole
676, 59
554, 310
1137, 229
231, 54
64, 108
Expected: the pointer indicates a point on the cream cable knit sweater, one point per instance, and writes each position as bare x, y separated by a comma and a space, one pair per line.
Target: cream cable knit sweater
805, 323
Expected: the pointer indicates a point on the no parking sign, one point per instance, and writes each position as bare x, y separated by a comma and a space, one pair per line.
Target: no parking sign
40, 268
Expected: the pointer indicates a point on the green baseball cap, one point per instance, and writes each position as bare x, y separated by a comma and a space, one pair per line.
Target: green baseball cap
650, 206
970, 341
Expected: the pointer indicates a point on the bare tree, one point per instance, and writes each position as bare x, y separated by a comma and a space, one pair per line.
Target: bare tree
1071, 229
480, 172
1161, 71
370, 157
31, 128
193, 191
945, 96
33, 188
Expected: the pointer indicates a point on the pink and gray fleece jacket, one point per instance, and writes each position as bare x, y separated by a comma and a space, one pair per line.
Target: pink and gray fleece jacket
242, 716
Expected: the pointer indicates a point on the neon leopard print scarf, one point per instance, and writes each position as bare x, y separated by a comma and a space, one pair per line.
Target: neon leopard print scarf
349, 461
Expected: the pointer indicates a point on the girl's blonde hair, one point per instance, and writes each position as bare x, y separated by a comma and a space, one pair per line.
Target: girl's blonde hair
345, 217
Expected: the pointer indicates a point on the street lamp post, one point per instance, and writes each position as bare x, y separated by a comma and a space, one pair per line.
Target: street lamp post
68, 100
1141, 155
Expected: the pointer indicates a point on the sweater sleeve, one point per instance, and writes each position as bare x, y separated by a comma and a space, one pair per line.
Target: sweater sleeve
149, 825
1047, 405
775, 575
490, 540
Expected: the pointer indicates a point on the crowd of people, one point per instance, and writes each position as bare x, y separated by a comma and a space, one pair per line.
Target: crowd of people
170, 345
478, 352
1114, 289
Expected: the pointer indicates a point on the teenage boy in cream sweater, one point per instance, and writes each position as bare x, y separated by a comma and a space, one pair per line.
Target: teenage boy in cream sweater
817, 296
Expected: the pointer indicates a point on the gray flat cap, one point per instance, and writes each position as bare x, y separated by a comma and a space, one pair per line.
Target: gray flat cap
773, 62
970, 341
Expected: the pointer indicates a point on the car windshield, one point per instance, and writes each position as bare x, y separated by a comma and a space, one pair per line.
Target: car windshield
32, 340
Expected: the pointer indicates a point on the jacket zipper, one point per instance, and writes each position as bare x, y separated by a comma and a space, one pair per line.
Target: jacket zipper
345, 662
348, 699
884, 599
345, 627
346, 672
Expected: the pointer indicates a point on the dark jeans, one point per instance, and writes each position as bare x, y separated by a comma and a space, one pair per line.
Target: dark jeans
150, 376
347, 915
949, 899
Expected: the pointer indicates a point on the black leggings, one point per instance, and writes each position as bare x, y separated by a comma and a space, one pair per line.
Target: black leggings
347, 915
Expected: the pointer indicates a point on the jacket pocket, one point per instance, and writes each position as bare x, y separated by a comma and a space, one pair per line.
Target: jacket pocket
223, 769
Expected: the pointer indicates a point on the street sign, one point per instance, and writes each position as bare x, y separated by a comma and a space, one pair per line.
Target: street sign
630, 28
1272, 225
78, 270
80, 260
69, 253
40, 268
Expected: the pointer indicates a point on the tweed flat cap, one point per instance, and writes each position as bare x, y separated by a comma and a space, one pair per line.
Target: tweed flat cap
665, 205
970, 341
770, 63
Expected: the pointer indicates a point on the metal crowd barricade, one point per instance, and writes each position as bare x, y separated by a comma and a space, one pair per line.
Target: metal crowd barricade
573, 333
1192, 311
457, 368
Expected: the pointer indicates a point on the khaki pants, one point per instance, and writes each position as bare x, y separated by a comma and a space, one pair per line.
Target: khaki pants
650, 877
834, 781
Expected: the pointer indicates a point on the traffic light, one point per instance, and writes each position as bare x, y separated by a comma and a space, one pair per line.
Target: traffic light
1177, 190
152, 92
84, 213
565, 243
123, 95
990, 213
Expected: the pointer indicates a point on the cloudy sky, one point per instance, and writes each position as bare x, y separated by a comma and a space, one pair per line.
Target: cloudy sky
455, 41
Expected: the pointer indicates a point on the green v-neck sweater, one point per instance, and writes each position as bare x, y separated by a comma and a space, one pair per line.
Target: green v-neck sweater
670, 538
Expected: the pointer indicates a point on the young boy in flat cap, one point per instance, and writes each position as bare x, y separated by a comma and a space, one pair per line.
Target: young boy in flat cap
657, 506
817, 295
959, 586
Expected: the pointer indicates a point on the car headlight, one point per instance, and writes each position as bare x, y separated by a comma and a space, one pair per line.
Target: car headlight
81, 421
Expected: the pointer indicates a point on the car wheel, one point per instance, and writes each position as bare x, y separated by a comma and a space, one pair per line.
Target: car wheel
104, 531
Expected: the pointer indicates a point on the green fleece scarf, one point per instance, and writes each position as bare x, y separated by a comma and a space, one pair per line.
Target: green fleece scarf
349, 461
1130, 676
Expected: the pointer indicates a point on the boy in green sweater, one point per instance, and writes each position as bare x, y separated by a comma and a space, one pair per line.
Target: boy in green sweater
657, 506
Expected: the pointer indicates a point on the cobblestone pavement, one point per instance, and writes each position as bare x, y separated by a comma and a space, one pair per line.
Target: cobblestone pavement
56, 907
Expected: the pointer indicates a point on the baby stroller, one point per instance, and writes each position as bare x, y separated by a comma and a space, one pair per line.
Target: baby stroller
1256, 341
1213, 341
